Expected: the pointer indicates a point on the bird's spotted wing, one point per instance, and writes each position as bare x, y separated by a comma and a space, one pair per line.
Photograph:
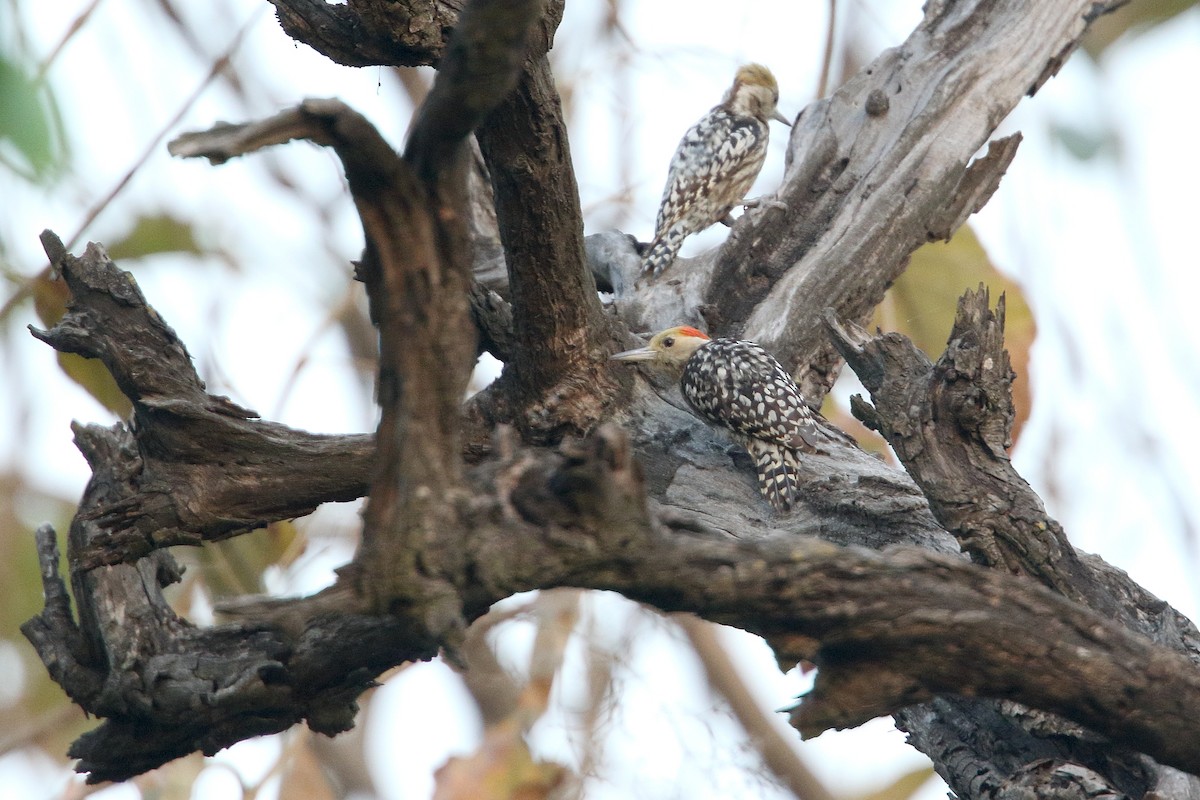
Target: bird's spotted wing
712, 169
740, 386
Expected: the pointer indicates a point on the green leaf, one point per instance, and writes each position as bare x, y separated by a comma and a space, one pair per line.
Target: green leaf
30, 122
156, 233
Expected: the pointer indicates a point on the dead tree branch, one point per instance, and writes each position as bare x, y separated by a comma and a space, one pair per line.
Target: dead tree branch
949, 424
881, 167
206, 468
951, 419
579, 518
418, 290
885, 630
558, 379
369, 34
664, 514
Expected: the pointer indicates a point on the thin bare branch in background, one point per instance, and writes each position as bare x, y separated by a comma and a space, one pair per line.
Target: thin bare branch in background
152, 147
74, 28
414, 82
827, 51
776, 750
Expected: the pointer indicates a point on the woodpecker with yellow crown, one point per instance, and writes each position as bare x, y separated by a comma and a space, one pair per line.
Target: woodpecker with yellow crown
715, 164
740, 387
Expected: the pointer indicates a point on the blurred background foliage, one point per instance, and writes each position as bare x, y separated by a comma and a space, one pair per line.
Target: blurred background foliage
155, 235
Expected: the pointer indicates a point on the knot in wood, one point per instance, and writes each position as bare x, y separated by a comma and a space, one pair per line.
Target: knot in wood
877, 103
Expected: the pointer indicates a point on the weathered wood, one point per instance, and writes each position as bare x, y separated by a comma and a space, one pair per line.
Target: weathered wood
885, 630
663, 514
557, 380
882, 166
203, 468
580, 517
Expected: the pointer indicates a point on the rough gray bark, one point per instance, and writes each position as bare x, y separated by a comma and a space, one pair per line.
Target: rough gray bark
882, 166
463, 511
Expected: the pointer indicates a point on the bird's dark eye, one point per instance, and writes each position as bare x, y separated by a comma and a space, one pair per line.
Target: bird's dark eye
668, 342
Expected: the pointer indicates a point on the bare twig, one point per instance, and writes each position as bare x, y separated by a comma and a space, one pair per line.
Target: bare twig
827, 51
776, 750
152, 146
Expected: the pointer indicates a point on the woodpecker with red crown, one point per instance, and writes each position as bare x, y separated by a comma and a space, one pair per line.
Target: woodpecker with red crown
739, 386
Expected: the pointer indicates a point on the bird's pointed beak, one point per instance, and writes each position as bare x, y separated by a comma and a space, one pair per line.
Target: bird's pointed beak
638, 354
779, 117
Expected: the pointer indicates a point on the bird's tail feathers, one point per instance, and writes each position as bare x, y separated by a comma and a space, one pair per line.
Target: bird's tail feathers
662, 251
778, 472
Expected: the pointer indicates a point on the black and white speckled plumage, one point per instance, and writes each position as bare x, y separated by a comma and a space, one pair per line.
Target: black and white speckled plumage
714, 165
739, 386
